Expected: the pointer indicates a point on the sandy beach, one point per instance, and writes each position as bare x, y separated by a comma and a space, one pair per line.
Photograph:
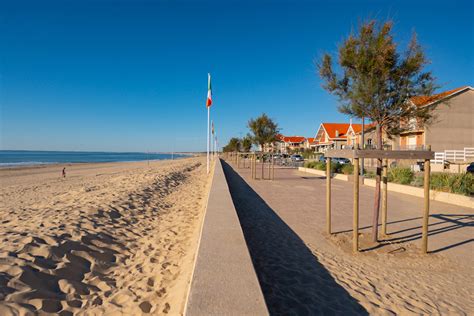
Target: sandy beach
113, 238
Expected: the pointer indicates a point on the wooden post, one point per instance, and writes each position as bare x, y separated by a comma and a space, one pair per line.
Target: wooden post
384, 197
269, 169
426, 213
251, 165
254, 166
328, 195
355, 220
263, 166
273, 168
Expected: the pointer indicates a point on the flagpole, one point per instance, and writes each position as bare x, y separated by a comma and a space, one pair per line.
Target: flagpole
208, 140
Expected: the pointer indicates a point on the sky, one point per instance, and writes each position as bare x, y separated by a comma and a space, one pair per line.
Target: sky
132, 75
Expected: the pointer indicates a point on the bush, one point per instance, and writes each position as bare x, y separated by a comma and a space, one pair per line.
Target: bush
369, 174
454, 183
347, 169
418, 181
400, 175
315, 165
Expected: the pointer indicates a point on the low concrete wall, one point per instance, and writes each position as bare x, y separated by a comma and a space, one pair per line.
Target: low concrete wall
224, 280
455, 199
323, 173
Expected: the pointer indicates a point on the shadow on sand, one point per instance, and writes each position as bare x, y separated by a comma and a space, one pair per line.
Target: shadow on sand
446, 223
291, 277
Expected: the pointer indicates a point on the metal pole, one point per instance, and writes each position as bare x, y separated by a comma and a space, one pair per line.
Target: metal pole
328, 195
208, 117
426, 213
355, 220
363, 139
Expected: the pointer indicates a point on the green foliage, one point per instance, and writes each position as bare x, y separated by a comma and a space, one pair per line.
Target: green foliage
375, 80
347, 169
369, 174
246, 144
307, 153
336, 168
400, 175
264, 130
418, 181
233, 145
318, 165
454, 183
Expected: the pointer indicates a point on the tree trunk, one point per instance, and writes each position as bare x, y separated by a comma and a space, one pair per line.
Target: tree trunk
375, 219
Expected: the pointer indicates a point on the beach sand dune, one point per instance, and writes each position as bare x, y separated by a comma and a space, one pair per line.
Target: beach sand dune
108, 239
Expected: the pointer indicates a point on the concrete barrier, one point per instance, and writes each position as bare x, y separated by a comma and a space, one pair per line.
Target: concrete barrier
451, 198
224, 280
323, 173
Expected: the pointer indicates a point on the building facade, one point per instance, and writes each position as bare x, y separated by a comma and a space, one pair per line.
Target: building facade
453, 124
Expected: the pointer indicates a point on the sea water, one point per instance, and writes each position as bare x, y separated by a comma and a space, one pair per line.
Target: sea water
10, 158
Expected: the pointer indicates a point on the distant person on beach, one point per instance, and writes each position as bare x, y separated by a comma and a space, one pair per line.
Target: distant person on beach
64, 172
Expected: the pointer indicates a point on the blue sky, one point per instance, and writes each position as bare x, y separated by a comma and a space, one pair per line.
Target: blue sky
132, 75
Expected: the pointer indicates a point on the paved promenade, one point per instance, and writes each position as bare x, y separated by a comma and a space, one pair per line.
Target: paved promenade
301, 269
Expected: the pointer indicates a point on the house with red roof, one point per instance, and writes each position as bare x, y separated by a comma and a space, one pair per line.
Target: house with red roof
452, 128
292, 143
310, 143
453, 125
331, 136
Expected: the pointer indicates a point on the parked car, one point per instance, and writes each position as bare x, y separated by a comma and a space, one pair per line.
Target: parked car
297, 158
341, 161
322, 158
470, 168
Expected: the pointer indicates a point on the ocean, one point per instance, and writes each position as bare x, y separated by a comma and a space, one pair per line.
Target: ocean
11, 158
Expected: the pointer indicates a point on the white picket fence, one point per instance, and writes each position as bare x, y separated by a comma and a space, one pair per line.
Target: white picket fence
466, 155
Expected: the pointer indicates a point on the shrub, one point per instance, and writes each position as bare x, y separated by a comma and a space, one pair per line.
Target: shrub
336, 168
454, 183
369, 174
315, 165
418, 181
400, 175
347, 169
320, 165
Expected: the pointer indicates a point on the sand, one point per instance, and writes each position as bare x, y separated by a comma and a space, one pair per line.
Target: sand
116, 238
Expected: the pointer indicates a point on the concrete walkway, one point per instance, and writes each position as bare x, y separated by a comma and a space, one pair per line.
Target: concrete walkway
284, 222
299, 199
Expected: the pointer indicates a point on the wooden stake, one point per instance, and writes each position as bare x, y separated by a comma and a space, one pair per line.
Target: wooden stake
355, 220
328, 195
263, 166
251, 165
270, 170
273, 168
254, 166
384, 197
426, 213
